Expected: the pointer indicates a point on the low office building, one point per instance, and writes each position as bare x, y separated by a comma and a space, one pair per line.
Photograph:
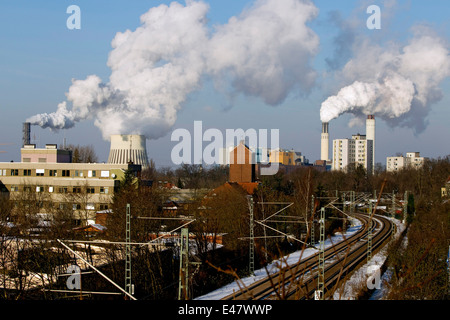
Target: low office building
46, 177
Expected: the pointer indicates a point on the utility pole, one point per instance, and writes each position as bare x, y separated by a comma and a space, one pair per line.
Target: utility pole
183, 282
128, 285
312, 231
266, 255
251, 266
393, 204
448, 270
352, 209
393, 216
321, 266
405, 206
369, 235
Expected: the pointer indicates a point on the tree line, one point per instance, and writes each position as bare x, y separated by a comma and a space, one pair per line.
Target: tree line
220, 229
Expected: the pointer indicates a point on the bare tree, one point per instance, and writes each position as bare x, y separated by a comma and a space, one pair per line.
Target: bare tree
83, 154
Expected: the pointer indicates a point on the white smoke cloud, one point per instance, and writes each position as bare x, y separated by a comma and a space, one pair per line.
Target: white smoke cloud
152, 70
267, 50
389, 98
264, 52
398, 84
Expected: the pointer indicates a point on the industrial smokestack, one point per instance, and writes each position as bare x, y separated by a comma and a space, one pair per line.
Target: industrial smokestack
128, 148
26, 133
325, 139
370, 135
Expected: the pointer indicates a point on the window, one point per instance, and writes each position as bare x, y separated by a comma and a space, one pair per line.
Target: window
104, 174
40, 189
62, 189
76, 206
90, 190
52, 173
65, 173
91, 173
104, 190
103, 207
27, 172
14, 188
50, 189
76, 190
14, 172
40, 172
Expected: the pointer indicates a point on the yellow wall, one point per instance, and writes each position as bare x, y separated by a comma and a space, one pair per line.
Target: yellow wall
283, 157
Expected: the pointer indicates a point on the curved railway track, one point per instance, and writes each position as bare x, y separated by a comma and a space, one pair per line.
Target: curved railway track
299, 281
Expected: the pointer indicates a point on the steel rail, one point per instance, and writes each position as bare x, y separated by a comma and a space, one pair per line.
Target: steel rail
353, 248
260, 288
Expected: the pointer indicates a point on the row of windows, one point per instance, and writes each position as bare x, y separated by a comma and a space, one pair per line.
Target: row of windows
54, 173
51, 189
67, 205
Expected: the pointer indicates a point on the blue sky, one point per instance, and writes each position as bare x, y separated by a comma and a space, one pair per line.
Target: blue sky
39, 56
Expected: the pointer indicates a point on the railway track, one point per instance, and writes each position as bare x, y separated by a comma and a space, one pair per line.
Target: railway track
299, 281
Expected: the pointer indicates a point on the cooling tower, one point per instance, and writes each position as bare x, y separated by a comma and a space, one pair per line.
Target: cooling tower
325, 140
127, 148
370, 135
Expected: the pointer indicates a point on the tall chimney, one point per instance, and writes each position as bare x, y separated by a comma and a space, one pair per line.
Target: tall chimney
325, 139
26, 133
370, 135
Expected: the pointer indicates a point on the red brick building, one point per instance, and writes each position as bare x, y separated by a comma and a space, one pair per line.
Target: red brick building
242, 166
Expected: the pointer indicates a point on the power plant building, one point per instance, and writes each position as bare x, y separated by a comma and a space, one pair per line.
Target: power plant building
128, 148
325, 143
370, 135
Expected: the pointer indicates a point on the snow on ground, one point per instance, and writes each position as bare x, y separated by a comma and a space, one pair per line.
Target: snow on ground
275, 265
348, 291
359, 278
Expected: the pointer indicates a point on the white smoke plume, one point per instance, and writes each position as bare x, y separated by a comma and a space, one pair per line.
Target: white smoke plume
397, 84
264, 52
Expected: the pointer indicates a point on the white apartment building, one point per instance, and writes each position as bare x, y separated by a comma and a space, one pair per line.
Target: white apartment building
412, 160
354, 151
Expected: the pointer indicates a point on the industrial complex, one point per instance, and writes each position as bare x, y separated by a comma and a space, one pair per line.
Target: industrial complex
50, 172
